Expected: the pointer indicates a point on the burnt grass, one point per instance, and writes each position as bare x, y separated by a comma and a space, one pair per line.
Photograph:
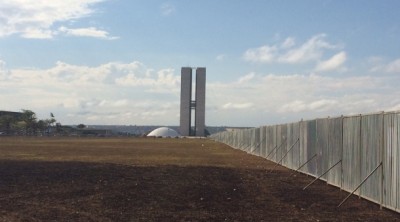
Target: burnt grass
161, 180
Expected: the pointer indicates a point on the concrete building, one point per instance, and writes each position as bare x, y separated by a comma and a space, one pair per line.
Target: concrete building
16, 115
188, 105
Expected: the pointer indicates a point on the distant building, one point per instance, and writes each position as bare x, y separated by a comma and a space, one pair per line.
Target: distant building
95, 132
187, 104
7, 118
163, 132
16, 115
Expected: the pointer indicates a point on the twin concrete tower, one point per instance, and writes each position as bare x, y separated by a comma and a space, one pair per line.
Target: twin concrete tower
188, 105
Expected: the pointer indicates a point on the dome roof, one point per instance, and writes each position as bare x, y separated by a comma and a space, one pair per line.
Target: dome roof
163, 132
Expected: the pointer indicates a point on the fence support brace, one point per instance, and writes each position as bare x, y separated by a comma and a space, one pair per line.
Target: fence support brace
247, 147
259, 143
322, 175
275, 148
297, 170
291, 147
359, 185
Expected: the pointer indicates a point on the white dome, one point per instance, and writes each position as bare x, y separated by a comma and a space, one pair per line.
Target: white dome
163, 132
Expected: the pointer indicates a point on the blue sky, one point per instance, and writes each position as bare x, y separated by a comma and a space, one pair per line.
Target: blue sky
268, 62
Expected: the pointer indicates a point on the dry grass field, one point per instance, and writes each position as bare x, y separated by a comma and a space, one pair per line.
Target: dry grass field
125, 179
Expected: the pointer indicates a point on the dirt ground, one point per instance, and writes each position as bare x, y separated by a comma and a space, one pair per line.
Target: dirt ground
111, 179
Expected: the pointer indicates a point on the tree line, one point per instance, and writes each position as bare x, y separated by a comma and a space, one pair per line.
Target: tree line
27, 123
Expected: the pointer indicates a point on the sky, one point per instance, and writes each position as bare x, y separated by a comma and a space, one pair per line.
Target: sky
118, 62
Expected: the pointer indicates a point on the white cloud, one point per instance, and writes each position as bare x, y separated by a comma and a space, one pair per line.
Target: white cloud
393, 67
380, 65
3, 70
263, 54
166, 81
94, 94
246, 78
312, 50
37, 18
322, 105
132, 93
87, 32
272, 98
37, 33
167, 9
288, 43
287, 52
220, 57
334, 63
237, 105
295, 106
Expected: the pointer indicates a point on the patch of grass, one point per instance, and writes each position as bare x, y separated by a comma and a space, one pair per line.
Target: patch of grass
130, 151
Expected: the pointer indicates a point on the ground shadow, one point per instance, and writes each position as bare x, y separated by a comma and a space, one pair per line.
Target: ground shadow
77, 191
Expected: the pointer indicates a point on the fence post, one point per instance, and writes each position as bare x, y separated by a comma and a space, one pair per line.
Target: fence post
360, 155
382, 159
341, 163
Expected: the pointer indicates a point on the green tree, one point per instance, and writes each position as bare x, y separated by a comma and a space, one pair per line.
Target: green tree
42, 126
6, 123
30, 119
51, 123
81, 126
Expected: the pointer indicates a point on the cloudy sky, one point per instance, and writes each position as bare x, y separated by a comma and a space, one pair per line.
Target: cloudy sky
268, 62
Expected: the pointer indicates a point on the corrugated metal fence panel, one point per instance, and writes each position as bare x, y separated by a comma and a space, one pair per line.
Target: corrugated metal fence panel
371, 153
257, 140
295, 129
334, 176
312, 146
279, 142
244, 140
303, 145
235, 139
231, 139
249, 140
265, 142
322, 147
308, 147
391, 166
292, 158
239, 140
351, 153
396, 156
285, 145
252, 141
361, 142
271, 141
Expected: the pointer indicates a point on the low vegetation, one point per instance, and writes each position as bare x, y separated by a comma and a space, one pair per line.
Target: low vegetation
26, 123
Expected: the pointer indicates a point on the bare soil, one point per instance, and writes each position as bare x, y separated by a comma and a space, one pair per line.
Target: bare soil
112, 179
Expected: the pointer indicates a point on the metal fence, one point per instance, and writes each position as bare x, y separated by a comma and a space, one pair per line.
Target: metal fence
358, 154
